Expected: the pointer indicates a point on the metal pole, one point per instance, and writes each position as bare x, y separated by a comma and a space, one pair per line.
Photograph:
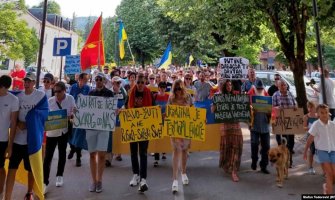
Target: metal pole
118, 58
316, 24
39, 61
61, 68
116, 32
131, 53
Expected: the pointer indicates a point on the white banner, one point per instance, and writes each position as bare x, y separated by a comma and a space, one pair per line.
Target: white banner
234, 67
97, 113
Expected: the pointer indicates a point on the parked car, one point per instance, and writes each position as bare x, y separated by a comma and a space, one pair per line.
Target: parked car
316, 76
267, 78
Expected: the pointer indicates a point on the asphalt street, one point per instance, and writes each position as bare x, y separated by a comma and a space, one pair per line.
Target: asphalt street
207, 180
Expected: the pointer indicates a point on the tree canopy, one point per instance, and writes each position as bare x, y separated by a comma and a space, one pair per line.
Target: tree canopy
53, 7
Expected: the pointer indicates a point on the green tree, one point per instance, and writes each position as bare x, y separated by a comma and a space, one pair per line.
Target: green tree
18, 41
53, 7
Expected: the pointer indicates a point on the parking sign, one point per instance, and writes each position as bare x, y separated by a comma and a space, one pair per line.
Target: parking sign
62, 47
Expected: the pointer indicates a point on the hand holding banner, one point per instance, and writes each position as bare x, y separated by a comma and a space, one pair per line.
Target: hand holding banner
56, 120
185, 122
289, 121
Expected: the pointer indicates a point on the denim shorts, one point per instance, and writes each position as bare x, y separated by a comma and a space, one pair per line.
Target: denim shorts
97, 140
325, 156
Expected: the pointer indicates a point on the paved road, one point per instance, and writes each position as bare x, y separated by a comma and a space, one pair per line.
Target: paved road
207, 181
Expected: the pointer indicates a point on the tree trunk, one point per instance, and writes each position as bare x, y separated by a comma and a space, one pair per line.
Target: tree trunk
142, 59
298, 73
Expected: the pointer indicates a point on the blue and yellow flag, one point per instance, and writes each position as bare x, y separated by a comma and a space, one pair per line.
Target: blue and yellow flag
166, 58
35, 128
189, 60
122, 37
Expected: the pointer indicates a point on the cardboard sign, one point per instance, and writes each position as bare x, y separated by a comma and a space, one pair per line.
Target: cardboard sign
56, 120
289, 121
234, 67
72, 65
262, 103
185, 122
97, 113
139, 124
231, 108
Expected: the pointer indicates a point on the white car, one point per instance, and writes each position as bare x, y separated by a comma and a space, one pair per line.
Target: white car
267, 78
317, 77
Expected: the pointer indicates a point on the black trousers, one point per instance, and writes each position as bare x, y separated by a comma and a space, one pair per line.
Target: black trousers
264, 139
290, 144
50, 147
140, 148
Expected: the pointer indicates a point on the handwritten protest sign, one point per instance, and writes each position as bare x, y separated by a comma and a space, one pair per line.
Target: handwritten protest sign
56, 120
156, 89
234, 67
289, 121
231, 108
185, 122
262, 103
72, 64
97, 113
139, 124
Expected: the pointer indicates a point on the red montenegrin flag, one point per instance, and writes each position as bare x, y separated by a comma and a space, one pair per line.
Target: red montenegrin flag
93, 51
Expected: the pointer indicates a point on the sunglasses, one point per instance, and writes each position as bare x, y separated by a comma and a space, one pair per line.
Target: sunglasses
46, 81
57, 91
140, 82
123, 71
177, 89
98, 79
152, 78
173, 77
188, 79
276, 79
118, 82
105, 69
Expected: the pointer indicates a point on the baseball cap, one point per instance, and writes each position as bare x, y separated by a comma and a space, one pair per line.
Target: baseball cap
49, 76
116, 79
100, 75
30, 76
259, 84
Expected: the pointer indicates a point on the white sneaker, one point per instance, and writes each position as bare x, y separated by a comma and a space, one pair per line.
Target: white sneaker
184, 179
143, 186
59, 181
175, 186
135, 180
45, 189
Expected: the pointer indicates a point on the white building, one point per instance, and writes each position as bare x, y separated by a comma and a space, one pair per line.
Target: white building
55, 27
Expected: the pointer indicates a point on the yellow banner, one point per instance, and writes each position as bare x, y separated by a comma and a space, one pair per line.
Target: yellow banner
155, 89
139, 124
185, 122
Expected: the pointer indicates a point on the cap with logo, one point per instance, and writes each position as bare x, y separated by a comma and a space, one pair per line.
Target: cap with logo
49, 76
30, 76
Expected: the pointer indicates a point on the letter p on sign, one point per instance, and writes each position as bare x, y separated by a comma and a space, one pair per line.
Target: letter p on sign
62, 47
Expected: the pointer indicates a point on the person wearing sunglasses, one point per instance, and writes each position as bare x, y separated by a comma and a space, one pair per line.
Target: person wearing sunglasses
121, 94
97, 140
48, 80
164, 78
203, 88
152, 82
139, 96
180, 146
59, 137
274, 88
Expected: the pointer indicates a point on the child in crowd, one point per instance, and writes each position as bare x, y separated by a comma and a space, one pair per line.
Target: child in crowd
309, 119
323, 135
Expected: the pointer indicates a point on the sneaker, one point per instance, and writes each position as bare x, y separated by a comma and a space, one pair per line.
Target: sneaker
29, 196
184, 179
78, 162
118, 158
45, 188
324, 188
92, 187
98, 187
156, 164
108, 163
135, 180
59, 181
163, 157
70, 156
175, 186
143, 186
311, 171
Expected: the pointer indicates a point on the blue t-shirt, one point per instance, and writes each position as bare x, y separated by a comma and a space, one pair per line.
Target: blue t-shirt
75, 90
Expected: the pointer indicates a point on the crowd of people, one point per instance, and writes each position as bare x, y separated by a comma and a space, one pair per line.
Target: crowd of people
135, 88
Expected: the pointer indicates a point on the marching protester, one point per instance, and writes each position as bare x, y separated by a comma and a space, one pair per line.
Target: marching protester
164, 79
283, 99
48, 81
139, 96
231, 144
202, 87
77, 139
59, 137
97, 140
309, 119
30, 100
18, 73
274, 88
259, 132
250, 82
180, 146
322, 133
9, 106
121, 94
152, 82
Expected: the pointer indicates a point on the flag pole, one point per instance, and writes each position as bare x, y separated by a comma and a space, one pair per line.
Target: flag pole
99, 68
131, 53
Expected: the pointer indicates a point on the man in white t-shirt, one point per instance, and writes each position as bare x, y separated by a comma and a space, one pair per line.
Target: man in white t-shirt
27, 100
48, 81
9, 106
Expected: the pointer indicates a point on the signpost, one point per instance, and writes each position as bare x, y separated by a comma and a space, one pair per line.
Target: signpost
62, 47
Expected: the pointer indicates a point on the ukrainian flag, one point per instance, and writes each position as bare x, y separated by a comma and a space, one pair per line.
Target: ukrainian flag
122, 37
189, 60
35, 119
166, 58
